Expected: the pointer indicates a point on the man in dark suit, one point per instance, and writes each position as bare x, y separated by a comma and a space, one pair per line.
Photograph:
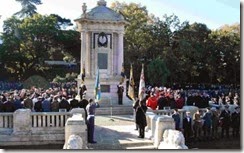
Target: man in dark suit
235, 118
120, 93
187, 126
74, 103
82, 90
64, 104
38, 105
82, 104
8, 106
226, 120
162, 101
141, 118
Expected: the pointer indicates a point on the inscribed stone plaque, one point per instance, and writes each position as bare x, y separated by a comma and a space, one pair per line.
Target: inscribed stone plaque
103, 60
105, 88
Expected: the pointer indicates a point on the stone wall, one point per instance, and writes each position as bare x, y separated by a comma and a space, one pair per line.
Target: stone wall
24, 127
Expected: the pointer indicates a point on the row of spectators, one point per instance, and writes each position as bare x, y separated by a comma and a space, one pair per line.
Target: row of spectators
39, 100
10, 86
7, 86
223, 111
161, 97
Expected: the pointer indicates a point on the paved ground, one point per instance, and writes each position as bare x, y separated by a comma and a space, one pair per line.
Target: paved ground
117, 133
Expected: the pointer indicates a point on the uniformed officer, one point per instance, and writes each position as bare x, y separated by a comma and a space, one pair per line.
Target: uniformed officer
90, 108
120, 93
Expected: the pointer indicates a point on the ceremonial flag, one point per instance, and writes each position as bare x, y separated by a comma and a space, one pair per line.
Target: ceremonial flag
141, 93
131, 92
122, 74
97, 87
83, 73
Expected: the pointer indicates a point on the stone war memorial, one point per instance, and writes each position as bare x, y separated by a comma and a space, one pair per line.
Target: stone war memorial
166, 123
102, 49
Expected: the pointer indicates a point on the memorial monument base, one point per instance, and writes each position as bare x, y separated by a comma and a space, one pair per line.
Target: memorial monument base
109, 95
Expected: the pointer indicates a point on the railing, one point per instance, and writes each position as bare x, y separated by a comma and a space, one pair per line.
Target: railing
24, 127
49, 119
6, 120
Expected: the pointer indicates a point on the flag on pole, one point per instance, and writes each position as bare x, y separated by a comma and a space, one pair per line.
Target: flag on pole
141, 93
131, 92
97, 91
122, 74
83, 73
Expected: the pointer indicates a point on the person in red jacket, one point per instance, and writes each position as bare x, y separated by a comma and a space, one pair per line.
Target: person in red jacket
152, 101
180, 102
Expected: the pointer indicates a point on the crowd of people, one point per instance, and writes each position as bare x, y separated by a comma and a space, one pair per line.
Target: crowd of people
50, 100
10, 85
222, 110
39, 100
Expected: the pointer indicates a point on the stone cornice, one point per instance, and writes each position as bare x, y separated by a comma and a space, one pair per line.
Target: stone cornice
83, 20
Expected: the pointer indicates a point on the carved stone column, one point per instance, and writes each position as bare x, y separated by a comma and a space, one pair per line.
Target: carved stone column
83, 50
120, 51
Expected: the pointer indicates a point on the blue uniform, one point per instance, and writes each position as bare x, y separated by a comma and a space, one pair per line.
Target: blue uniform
90, 108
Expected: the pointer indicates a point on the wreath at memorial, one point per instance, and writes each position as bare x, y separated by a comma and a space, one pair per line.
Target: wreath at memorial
102, 40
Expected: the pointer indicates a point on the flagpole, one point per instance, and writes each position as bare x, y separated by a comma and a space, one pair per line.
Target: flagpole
131, 92
141, 92
97, 90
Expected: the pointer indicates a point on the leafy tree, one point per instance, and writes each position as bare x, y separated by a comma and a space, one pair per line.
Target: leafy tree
137, 39
224, 53
62, 22
25, 56
28, 8
189, 48
38, 38
137, 17
157, 72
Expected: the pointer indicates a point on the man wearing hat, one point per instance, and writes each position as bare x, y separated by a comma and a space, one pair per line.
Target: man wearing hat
226, 121
235, 122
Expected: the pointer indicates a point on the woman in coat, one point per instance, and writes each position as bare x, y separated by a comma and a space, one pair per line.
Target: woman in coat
141, 118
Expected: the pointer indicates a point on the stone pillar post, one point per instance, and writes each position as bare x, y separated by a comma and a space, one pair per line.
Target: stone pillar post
163, 122
83, 50
22, 122
76, 126
120, 51
148, 114
87, 56
78, 111
153, 119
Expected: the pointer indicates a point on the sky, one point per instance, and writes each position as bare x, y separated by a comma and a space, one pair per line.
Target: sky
213, 13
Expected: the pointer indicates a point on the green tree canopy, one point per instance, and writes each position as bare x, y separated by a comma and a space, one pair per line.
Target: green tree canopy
157, 72
39, 38
28, 8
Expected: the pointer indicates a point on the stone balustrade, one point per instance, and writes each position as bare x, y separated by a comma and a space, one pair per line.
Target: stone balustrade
24, 127
6, 120
76, 131
160, 120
